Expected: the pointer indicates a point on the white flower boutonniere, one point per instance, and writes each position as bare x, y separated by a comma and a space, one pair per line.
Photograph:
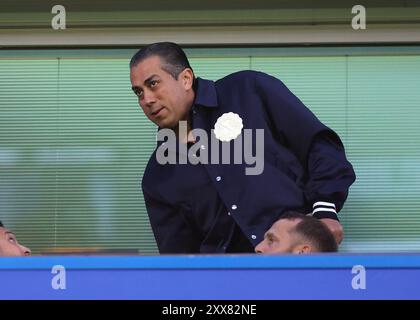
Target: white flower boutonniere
228, 127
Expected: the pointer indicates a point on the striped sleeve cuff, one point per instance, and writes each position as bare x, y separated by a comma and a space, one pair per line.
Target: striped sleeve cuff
322, 209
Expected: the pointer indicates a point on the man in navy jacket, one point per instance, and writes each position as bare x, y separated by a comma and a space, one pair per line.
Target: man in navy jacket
216, 207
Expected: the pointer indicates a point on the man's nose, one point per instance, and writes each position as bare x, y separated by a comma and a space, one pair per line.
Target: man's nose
148, 98
260, 247
26, 251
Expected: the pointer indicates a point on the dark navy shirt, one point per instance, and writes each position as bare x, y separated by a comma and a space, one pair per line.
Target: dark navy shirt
217, 208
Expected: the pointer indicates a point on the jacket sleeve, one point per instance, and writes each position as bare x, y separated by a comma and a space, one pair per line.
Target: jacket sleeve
171, 230
329, 176
317, 147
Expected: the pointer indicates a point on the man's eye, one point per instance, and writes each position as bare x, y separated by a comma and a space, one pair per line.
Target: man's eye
12, 240
138, 93
270, 240
153, 83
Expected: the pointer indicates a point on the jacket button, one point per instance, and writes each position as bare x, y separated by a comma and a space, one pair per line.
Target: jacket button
228, 213
254, 236
234, 207
218, 178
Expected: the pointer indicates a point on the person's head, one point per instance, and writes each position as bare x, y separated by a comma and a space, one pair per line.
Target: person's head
162, 79
9, 246
297, 233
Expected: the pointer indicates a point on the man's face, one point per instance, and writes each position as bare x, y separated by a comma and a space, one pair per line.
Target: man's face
9, 246
280, 238
164, 99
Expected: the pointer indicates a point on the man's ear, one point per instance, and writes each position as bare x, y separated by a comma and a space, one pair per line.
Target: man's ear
302, 249
187, 78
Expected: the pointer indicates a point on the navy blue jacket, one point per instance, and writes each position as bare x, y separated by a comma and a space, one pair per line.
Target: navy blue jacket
216, 208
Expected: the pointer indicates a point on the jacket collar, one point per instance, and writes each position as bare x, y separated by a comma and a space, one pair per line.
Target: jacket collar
205, 93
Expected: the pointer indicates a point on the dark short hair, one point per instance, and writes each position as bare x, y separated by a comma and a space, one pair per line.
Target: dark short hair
313, 230
173, 58
1, 224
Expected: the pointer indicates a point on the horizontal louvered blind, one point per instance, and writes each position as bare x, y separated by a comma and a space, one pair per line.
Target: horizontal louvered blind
74, 144
73, 148
219, 67
383, 212
28, 117
373, 103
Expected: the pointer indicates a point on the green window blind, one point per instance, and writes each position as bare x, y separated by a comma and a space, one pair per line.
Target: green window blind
74, 143
372, 102
384, 143
73, 148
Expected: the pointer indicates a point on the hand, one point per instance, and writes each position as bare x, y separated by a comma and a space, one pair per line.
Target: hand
335, 227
